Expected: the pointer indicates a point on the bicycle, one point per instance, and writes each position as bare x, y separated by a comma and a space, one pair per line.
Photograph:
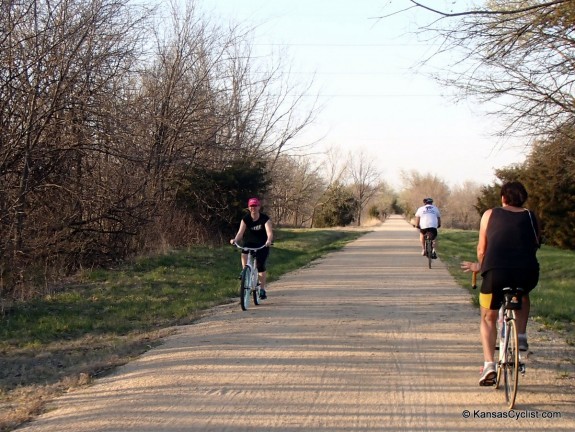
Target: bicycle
509, 363
249, 285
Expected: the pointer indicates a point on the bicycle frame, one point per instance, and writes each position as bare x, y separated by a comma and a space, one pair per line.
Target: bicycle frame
249, 279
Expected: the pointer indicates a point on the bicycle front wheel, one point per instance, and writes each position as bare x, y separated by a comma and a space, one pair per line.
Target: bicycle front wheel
245, 288
256, 290
511, 365
501, 360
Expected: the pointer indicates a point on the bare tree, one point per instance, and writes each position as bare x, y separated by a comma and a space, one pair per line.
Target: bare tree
61, 110
266, 110
460, 211
333, 169
516, 55
212, 102
364, 177
296, 187
384, 199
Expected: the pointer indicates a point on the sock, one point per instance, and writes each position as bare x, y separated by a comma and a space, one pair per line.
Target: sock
522, 336
487, 364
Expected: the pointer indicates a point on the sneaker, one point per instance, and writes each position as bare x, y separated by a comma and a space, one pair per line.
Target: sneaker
423, 252
433, 255
488, 376
523, 345
263, 294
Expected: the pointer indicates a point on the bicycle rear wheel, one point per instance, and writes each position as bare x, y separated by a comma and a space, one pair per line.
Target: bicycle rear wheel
428, 250
245, 288
511, 365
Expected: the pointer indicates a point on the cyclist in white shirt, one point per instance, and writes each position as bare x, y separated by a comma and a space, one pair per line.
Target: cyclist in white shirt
428, 218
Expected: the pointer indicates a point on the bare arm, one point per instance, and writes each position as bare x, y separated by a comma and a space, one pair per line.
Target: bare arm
269, 232
481, 245
240, 233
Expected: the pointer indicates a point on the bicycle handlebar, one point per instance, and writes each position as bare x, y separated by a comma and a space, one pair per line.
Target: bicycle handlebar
247, 248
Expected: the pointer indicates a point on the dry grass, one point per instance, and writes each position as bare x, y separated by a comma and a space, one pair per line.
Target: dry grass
31, 377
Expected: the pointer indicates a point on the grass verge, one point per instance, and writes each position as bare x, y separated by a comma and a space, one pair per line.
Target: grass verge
106, 318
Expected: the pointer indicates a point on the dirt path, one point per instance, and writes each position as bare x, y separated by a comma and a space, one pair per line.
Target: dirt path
367, 339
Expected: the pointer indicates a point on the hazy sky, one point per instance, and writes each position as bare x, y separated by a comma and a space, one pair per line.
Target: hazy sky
366, 76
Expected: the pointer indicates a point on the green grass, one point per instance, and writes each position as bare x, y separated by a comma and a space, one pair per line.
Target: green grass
552, 302
154, 292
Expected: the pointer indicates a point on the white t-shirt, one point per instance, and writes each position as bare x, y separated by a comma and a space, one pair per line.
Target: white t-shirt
428, 215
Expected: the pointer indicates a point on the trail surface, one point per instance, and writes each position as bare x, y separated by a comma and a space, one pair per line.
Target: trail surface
366, 339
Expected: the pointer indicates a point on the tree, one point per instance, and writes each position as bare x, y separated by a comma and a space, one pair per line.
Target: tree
459, 211
490, 195
548, 176
337, 207
210, 102
518, 55
364, 178
216, 199
67, 199
296, 187
385, 201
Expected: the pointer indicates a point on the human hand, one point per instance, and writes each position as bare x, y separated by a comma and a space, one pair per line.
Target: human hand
468, 266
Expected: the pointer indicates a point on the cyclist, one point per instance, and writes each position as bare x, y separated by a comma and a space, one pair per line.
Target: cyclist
255, 231
508, 242
428, 219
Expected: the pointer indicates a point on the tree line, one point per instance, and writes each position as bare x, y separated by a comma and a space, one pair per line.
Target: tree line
113, 116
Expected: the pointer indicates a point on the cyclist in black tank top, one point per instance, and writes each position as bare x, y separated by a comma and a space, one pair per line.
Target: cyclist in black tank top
508, 242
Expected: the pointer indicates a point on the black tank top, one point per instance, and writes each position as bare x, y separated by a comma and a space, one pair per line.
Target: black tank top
511, 241
255, 235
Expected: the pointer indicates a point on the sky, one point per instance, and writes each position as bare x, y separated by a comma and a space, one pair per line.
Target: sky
375, 99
